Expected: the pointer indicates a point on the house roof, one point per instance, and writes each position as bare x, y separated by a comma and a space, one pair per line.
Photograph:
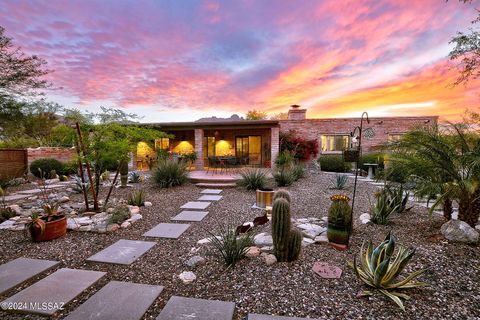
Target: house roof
240, 124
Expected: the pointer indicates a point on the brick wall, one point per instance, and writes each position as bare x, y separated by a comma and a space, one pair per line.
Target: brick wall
61, 154
383, 127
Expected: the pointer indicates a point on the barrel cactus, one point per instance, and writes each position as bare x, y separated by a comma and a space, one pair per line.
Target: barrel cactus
339, 220
286, 242
282, 194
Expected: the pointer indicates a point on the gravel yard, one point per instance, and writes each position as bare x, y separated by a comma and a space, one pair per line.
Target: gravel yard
290, 289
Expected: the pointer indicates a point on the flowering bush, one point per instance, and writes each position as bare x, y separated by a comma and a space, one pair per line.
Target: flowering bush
302, 149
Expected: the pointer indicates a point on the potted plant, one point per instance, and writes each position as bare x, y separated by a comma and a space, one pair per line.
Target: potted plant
339, 220
351, 155
264, 197
50, 226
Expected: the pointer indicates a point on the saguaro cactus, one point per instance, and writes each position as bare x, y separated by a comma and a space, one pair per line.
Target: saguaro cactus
286, 242
282, 194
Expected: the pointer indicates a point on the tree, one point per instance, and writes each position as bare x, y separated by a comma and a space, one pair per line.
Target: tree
444, 163
466, 53
256, 115
279, 116
20, 74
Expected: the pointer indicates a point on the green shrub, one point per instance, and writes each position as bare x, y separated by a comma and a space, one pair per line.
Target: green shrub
375, 157
397, 171
333, 163
170, 173
119, 215
45, 166
284, 177
253, 179
6, 213
230, 247
137, 199
69, 168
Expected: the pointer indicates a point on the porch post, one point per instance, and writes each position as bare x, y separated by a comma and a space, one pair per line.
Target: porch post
199, 165
275, 145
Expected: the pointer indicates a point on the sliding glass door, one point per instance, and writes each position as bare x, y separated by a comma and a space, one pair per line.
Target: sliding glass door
249, 149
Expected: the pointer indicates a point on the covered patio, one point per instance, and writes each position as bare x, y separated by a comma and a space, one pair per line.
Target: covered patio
219, 146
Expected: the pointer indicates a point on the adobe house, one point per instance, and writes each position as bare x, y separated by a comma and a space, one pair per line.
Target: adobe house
256, 142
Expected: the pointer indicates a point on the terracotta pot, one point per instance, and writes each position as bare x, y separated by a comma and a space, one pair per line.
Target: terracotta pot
264, 197
338, 234
53, 229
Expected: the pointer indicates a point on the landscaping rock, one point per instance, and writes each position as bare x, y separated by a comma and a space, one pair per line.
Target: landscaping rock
71, 224
195, 261
263, 239
134, 210
135, 217
321, 239
85, 228
307, 241
266, 249
459, 231
204, 241
253, 252
147, 204
64, 199
187, 277
365, 218
7, 224
112, 227
311, 230
270, 259
125, 224
16, 208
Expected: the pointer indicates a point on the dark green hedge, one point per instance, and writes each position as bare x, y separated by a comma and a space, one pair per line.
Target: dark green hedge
44, 166
333, 163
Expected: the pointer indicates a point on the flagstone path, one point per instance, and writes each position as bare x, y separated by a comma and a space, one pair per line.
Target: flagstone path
182, 308
122, 252
167, 230
190, 216
196, 205
254, 316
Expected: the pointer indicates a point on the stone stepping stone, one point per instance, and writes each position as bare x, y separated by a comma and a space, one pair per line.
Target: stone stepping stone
15, 197
190, 216
30, 191
20, 270
122, 252
118, 300
254, 316
53, 292
211, 191
181, 308
167, 230
326, 270
196, 205
209, 197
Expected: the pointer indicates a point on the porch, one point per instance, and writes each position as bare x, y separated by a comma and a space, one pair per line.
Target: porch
215, 146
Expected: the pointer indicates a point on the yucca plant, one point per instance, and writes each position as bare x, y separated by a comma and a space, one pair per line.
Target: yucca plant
253, 179
137, 198
230, 247
284, 177
379, 269
298, 171
340, 181
383, 208
170, 173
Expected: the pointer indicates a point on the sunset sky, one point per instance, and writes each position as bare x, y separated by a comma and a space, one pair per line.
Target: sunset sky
182, 60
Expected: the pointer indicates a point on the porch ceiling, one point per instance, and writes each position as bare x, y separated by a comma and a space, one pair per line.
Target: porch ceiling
245, 124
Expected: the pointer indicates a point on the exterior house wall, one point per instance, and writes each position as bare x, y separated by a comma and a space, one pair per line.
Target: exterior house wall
383, 128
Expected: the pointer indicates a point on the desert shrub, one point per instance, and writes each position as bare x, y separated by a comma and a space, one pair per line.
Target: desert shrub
69, 168
6, 213
45, 166
119, 215
135, 177
169, 173
253, 179
230, 247
333, 163
301, 149
137, 198
298, 171
284, 177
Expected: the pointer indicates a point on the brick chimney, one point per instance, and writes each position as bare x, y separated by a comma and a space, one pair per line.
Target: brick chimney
296, 113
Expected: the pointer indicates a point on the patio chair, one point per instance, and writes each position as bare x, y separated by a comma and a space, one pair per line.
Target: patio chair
212, 164
232, 163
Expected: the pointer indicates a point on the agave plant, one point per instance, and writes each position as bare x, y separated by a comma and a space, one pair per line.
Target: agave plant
399, 197
383, 208
35, 224
379, 269
135, 177
340, 181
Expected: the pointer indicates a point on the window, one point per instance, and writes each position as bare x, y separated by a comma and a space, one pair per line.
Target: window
162, 144
335, 143
394, 136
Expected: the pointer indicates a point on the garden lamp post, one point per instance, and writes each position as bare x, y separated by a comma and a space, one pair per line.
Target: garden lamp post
359, 140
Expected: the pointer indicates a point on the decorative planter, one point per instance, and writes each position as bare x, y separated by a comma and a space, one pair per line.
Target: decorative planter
267, 164
338, 234
53, 229
351, 155
264, 197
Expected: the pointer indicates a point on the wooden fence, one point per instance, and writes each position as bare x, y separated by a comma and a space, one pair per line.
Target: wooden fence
13, 163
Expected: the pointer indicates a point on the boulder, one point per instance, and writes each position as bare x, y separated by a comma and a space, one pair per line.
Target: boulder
270, 259
195, 261
263, 239
253, 252
187, 277
365, 218
459, 231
